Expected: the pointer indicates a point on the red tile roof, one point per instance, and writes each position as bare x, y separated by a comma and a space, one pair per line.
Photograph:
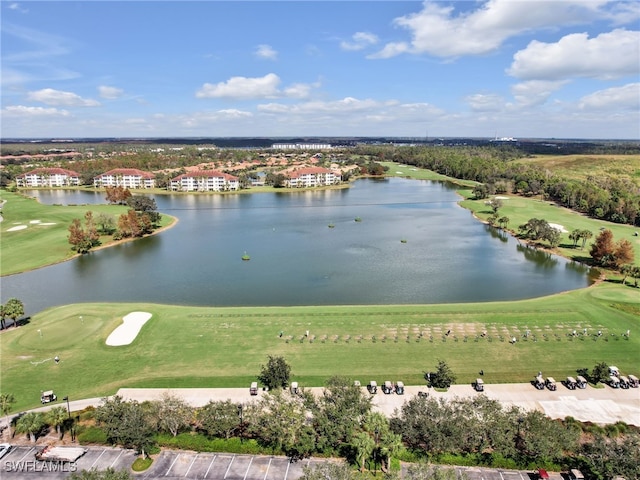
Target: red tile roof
134, 172
206, 174
309, 171
51, 171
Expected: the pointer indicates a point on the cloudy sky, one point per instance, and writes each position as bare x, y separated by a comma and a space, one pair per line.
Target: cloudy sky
511, 68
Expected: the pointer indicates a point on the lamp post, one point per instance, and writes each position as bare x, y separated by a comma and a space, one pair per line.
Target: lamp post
241, 427
375, 455
73, 434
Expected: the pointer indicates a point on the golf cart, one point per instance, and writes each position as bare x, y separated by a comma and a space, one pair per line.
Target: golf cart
539, 382
48, 397
253, 390
372, 387
624, 382
613, 371
400, 388
614, 382
581, 382
294, 387
633, 381
551, 384
570, 383
388, 387
478, 385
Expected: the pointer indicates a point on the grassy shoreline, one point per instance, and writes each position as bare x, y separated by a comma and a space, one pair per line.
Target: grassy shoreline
209, 347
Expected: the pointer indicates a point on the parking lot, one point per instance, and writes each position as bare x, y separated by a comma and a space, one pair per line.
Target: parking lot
19, 464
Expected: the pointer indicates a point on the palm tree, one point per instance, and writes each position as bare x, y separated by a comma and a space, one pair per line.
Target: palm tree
390, 445
6, 400
30, 423
56, 418
364, 445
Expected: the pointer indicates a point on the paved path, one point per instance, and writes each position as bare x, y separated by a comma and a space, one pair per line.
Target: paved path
599, 405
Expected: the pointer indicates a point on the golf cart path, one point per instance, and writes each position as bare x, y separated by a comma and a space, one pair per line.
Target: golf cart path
599, 405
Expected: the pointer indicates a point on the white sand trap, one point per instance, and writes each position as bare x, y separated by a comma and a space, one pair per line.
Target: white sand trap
47, 223
19, 227
34, 221
558, 227
128, 331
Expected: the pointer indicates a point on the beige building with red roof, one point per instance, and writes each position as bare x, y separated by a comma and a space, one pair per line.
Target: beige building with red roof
205, 181
311, 177
126, 178
48, 177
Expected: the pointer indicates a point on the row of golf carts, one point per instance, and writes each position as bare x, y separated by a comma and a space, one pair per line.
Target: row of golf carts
615, 381
387, 387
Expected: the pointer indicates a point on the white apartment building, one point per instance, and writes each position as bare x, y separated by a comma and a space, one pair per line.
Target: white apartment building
205, 181
301, 146
48, 177
312, 177
126, 178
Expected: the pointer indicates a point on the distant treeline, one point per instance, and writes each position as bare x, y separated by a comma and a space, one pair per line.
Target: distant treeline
607, 198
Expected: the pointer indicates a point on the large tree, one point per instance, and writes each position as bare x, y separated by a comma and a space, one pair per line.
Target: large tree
220, 418
117, 194
443, 377
172, 413
276, 373
610, 254
337, 412
126, 423
14, 309
56, 417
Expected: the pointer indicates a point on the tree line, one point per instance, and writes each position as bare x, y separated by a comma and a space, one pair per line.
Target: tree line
606, 198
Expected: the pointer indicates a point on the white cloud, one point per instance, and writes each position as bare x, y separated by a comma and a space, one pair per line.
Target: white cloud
50, 96
266, 52
16, 7
242, 88
626, 97
110, 93
480, 102
360, 40
609, 55
391, 50
435, 30
24, 111
534, 92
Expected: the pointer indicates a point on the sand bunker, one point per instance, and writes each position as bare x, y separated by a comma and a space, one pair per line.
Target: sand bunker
19, 227
47, 223
128, 331
34, 221
558, 227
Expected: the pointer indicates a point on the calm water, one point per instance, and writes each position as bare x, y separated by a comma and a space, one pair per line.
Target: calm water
297, 260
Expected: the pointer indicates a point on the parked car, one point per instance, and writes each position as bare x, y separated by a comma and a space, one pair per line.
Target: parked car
372, 387
4, 449
576, 474
400, 388
48, 397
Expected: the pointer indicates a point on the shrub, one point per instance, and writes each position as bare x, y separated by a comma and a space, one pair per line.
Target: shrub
87, 435
141, 464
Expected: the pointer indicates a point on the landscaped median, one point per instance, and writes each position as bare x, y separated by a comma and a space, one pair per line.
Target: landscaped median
210, 347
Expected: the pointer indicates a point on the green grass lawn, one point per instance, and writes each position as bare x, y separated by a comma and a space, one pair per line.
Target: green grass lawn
40, 244
224, 347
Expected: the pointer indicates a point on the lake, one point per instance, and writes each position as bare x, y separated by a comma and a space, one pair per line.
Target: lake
296, 259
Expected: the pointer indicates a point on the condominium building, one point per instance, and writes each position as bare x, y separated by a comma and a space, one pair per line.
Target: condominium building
126, 178
311, 177
205, 181
48, 177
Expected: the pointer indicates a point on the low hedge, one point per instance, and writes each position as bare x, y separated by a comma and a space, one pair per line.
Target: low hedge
201, 443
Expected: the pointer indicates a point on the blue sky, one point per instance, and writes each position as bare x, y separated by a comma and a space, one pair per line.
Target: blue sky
511, 68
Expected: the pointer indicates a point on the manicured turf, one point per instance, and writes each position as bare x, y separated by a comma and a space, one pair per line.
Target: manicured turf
224, 347
40, 244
